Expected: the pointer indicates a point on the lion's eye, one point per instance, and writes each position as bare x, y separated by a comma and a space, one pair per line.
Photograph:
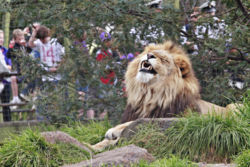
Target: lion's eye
164, 60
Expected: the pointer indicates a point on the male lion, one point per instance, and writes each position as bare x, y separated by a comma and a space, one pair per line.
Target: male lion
160, 83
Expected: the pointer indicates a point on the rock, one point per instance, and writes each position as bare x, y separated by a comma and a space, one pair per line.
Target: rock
124, 156
55, 136
163, 124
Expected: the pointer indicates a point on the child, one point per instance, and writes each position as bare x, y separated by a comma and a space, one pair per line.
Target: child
15, 55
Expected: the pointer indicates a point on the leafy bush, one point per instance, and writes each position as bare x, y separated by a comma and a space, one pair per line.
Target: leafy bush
243, 159
29, 149
92, 132
214, 66
173, 161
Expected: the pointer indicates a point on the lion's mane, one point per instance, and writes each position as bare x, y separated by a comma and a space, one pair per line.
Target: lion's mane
172, 90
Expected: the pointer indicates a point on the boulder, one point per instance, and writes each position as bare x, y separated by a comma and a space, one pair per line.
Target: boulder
124, 156
58, 136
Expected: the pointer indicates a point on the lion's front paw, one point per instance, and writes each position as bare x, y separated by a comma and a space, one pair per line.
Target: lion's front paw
113, 134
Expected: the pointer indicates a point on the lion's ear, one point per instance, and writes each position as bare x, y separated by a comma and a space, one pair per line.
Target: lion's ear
184, 65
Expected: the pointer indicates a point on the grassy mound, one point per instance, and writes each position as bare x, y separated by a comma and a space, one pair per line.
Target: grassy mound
210, 138
29, 149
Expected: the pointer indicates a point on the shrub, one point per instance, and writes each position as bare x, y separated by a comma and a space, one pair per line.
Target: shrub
92, 132
243, 159
29, 149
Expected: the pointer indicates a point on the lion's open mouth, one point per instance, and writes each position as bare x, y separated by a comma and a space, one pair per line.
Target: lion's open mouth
147, 67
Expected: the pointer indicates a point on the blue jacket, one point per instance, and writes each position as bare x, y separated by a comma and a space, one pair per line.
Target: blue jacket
7, 60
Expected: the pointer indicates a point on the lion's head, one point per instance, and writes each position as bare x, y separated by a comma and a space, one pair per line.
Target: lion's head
160, 82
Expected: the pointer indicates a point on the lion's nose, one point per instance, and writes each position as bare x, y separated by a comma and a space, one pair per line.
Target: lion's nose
150, 56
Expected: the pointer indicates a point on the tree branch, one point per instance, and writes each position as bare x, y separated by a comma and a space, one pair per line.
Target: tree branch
244, 11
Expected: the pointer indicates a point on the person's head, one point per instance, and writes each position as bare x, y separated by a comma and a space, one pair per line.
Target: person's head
43, 33
208, 8
195, 15
36, 25
18, 36
1, 37
155, 5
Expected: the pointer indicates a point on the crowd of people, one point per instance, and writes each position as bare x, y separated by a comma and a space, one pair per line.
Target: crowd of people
36, 40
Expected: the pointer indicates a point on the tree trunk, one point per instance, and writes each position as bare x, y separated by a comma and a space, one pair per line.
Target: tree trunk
6, 28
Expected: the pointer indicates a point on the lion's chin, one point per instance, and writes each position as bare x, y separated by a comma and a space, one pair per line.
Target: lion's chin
144, 77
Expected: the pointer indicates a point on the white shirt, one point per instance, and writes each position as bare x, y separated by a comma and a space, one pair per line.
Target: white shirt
3, 65
50, 53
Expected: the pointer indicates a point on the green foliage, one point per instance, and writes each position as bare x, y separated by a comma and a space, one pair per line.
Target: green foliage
244, 112
151, 138
172, 161
243, 159
92, 132
68, 19
29, 149
210, 138
71, 153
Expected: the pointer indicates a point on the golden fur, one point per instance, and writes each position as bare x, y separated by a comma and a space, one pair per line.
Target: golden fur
174, 87
160, 82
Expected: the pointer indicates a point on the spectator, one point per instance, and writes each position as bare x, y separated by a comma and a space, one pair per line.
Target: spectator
28, 32
15, 54
50, 51
5, 83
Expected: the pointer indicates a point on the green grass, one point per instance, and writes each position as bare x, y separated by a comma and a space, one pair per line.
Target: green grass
173, 161
29, 149
209, 138
149, 137
91, 133
71, 153
243, 159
